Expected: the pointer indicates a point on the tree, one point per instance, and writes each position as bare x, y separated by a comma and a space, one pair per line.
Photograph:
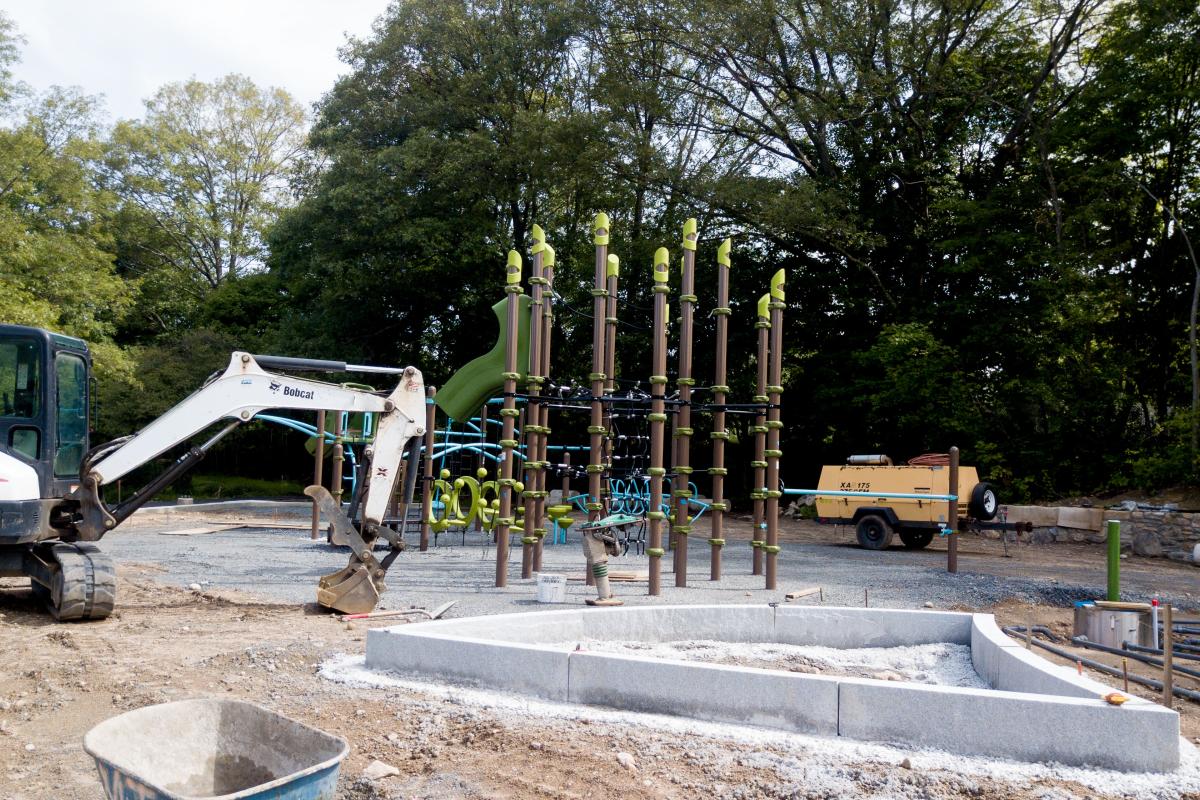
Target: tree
203, 176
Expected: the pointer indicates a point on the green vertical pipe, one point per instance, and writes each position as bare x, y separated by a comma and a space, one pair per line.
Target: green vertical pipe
1114, 560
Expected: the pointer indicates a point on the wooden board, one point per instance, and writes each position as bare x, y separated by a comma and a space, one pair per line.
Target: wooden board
198, 531
261, 523
615, 575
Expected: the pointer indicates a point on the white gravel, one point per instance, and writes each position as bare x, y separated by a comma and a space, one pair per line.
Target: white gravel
941, 663
817, 766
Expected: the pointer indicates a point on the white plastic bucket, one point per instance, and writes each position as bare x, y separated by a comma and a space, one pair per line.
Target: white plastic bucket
551, 588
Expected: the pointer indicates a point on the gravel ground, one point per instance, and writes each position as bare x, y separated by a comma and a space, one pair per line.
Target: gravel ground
285, 564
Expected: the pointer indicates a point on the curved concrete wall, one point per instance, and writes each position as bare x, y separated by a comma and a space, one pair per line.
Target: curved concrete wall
1035, 710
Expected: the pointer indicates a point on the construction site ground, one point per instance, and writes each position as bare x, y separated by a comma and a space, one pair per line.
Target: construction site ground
252, 632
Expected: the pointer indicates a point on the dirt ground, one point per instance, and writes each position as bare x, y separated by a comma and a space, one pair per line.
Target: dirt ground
166, 643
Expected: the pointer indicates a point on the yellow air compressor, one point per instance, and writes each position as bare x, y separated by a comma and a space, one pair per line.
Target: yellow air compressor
916, 519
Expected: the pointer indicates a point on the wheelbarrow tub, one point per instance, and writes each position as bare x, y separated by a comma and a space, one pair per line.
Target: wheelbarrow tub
212, 749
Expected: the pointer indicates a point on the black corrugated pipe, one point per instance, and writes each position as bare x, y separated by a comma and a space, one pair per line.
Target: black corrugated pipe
1116, 651
1158, 651
1042, 629
1106, 669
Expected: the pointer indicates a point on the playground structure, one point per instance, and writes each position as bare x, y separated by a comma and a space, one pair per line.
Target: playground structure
626, 473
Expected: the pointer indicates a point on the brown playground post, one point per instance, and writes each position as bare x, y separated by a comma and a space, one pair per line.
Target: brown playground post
504, 520
596, 430
547, 323
658, 419
774, 425
683, 430
759, 429
339, 458
318, 470
612, 273
533, 410
719, 394
952, 513
427, 469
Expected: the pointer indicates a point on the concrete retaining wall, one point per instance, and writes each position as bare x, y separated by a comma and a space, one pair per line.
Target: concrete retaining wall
1035, 711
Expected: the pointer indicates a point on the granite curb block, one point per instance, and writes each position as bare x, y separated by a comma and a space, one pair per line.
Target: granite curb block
1036, 710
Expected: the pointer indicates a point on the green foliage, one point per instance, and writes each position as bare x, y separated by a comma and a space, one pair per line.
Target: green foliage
204, 174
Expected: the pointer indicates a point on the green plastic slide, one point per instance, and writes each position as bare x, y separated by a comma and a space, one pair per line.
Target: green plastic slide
482, 378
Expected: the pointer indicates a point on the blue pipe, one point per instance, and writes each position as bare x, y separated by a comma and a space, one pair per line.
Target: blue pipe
879, 495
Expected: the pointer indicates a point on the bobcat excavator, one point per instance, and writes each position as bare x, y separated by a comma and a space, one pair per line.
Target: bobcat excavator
52, 509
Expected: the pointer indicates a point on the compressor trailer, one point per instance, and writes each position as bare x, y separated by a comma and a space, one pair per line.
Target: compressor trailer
911, 500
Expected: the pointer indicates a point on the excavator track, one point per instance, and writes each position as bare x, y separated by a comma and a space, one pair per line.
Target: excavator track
83, 581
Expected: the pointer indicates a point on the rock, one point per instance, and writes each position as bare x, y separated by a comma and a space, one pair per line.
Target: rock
1042, 536
377, 771
536, 745
30, 747
928, 604
393, 737
1128, 505
626, 761
887, 675
906, 764
1148, 544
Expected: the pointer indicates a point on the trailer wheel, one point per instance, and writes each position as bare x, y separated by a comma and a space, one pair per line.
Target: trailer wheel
916, 540
983, 505
874, 532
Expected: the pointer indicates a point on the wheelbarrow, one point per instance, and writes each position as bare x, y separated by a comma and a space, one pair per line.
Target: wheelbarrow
213, 749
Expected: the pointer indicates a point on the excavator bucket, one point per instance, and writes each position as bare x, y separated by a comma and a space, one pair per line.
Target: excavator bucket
351, 590
356, 588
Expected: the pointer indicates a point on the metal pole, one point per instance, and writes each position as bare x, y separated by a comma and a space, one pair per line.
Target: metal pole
1114, 560
952, 513
532, 427
427, 469
683, 468
774, 427
658, 419
1168, 682
504, 520
547, 323
318, 470
759, 429
720, 392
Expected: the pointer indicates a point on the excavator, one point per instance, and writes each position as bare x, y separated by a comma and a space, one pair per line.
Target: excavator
52, 507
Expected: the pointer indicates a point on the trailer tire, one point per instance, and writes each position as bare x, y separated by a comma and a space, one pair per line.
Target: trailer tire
873, 532
983, 505
916, 540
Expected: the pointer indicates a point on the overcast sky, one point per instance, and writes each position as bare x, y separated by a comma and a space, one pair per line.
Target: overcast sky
126, 49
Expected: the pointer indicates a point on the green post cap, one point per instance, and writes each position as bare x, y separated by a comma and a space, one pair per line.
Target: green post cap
513, 270
614, 266
723, 252
762, 307
548, 257
600, 228
777, 285
661, 257
689, 234
539, 239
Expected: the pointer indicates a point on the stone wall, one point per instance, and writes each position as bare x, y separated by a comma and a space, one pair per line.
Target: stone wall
1149, 533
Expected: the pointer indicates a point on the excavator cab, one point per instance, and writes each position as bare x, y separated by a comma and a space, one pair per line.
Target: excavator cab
44, 401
